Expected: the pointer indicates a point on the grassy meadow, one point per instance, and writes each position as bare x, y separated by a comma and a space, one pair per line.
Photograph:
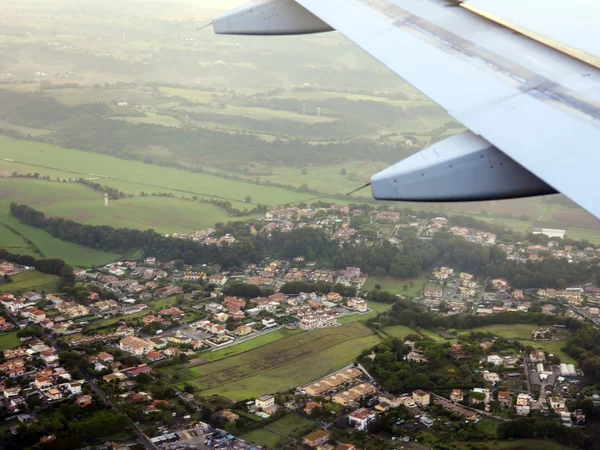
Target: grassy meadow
277, 366
9, 340
31, 280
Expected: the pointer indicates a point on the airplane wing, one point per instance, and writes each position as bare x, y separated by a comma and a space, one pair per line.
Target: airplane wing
528, 92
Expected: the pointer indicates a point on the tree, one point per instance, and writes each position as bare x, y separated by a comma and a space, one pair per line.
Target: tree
248, 199
343, 172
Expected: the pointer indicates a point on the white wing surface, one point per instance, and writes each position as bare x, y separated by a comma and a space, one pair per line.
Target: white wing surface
518, 96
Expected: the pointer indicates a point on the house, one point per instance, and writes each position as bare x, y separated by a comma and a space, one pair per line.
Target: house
227, 415
357, 304
83, 400
316, 438
556, 402
265, 401
234, 303
134, 372
457, 395
53, 394
105, 357
43, 382
173, 312
361, 418
221, 317
75, 388
219, 279
537, 357
494, 359
389, 400
522, 410
312, 405
499, 283
31, 296
523, 399
237, 315
213, 308
155, 356
421, 398
433, 292
33, 314
345, 447
504, 398
243, 330
135, 346
492, 377
479, 395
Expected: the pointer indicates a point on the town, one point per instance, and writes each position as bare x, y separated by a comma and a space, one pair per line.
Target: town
140, 337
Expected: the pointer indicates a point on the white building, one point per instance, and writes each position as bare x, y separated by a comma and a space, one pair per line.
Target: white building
265, 401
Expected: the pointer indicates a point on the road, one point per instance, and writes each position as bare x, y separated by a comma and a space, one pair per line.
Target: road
526, 369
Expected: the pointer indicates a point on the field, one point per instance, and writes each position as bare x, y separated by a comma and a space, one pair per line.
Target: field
518, 444
82, 204
396, 286
44, 245
522, 332
512, 331
9, 340
293, 425
135, 177
31, 280
278, 366
375, 308
399, 331
251, 344
263, 438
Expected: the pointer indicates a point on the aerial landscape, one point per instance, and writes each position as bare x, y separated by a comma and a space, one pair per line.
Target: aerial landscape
181, 266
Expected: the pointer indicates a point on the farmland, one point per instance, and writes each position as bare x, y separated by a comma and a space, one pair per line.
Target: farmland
82, 204
250, 344
13, 234
512, 331
135, 177
414, 286
399, 331
277, 366
31, 280
262, 437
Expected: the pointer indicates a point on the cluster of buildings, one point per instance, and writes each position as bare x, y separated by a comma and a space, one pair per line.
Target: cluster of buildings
37, 371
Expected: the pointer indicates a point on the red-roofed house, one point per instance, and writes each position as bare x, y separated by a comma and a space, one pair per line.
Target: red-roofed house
155, 356
361, 418
234, 304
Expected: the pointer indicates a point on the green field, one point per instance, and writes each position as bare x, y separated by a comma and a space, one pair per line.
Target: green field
512, 331
396, 286
49, 246
375, 308
82, 204
293, 425
399, 331
251, 344
518, 444
9, 340
278, 366
31, 280
134, 177
263, 438
522, 332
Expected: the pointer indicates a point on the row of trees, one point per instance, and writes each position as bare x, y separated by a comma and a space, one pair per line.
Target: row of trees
411, 258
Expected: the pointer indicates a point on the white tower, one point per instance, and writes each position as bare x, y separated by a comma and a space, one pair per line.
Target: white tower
105, 200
